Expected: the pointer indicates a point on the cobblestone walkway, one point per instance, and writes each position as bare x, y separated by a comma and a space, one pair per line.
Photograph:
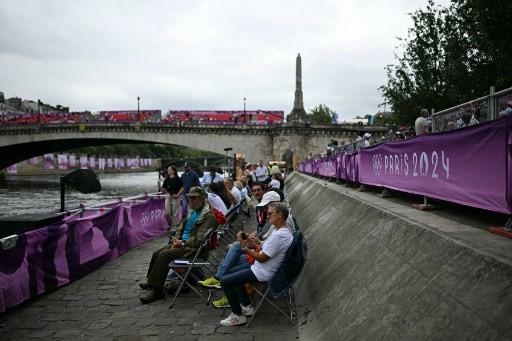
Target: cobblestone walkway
104, 305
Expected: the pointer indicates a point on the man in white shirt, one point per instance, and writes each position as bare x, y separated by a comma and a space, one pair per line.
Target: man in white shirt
421, 125
235, 191
211, 177
267, 262
261, 172
216, 202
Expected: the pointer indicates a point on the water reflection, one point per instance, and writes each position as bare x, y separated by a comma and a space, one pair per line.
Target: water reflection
39, 194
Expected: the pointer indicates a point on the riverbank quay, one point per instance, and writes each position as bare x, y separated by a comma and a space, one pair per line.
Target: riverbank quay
104, 305
380, 269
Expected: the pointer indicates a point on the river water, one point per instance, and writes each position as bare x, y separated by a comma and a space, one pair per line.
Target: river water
40, 194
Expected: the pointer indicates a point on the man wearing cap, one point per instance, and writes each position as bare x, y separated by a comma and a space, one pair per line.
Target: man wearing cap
236, 259
367, 139
184, 245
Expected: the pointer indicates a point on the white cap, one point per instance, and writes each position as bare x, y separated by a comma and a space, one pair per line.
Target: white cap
269, 197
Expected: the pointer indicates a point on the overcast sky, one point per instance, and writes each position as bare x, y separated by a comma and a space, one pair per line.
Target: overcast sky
101, 55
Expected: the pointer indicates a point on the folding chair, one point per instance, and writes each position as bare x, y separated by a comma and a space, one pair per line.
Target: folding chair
179, 264
283, 280
264, 296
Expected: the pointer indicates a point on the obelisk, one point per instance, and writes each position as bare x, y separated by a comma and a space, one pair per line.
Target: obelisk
298, 115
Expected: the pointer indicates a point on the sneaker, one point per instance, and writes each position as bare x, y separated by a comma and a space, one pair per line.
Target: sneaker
210, 282
233, 320
221, 303
247, 310
172, 277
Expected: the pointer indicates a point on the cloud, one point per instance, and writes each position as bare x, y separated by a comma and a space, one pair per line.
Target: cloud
101, 55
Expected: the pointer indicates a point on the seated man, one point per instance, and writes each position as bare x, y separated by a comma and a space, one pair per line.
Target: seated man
230, 185
236, 259
267, 261
184, 245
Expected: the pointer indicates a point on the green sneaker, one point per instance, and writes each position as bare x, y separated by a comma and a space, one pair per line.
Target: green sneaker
221, 303
210, 282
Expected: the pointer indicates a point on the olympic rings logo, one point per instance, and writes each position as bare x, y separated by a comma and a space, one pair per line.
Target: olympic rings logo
377, 164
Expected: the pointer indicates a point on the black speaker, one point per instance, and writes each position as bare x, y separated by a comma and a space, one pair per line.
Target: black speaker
83, 180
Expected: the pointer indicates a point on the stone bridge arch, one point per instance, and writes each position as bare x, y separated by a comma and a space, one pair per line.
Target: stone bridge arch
256, 142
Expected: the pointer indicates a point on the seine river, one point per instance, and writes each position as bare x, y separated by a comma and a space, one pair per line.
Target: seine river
39, 194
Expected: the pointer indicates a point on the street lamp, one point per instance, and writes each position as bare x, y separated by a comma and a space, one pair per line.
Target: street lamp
39, 111
227, 150
245, 116
138, 109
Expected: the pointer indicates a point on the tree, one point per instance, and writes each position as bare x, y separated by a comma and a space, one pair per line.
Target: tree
322, 114
450, 55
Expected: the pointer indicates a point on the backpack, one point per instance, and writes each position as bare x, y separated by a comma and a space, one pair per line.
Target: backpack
291, 266
220, 218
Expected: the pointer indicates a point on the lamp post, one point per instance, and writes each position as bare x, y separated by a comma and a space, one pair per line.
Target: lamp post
39, 111
138, 109
245, 115
227, 150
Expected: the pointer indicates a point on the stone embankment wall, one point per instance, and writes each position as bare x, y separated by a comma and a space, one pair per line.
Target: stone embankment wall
379, 270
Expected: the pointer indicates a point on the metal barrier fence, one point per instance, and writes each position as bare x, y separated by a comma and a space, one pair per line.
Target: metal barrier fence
476, 111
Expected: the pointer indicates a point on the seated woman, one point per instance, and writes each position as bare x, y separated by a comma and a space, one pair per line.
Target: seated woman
267, 261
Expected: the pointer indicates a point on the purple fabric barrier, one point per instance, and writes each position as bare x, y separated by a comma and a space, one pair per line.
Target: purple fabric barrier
467, 166
52, 256
48, 161
12, 169
327, 166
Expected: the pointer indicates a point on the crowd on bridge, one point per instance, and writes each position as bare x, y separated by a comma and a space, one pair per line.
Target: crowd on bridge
194, 205
178, 118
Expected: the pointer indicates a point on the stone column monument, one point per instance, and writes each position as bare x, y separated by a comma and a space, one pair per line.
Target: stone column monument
298, 115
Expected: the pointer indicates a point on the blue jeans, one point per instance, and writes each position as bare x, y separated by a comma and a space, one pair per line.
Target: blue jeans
234, 258
233, 286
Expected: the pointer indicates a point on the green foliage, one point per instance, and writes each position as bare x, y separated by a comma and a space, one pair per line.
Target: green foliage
322, 114
451, 55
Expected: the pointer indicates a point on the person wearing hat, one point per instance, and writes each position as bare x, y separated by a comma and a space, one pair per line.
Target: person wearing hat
266, 262
236, 258
367, 139
184, 244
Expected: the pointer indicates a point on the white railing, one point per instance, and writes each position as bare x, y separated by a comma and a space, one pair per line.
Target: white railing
476, 111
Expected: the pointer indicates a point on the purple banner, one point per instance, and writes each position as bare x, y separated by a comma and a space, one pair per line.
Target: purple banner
12, 169
72, 161
101, 163
62, 161
92, 161
48, 161
52, 256
327, 166
84, 162
33, 161
467, 166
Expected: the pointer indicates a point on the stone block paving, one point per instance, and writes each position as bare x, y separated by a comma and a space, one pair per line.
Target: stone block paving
104, 305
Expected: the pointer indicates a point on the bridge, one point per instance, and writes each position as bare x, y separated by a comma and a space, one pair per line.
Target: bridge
18, 143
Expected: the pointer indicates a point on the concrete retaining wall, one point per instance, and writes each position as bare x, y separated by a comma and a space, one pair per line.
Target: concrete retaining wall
379, 270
